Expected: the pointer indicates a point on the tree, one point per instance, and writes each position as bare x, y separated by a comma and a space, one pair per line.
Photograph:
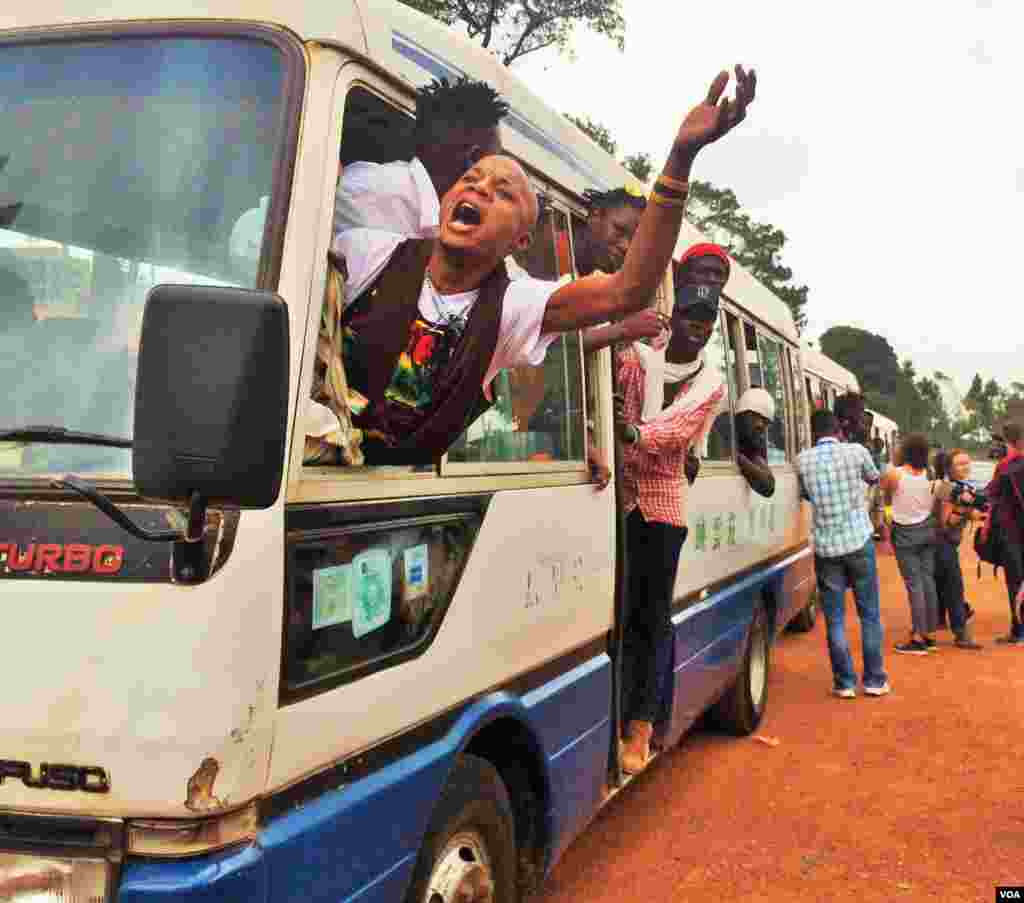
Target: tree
756, 246
597, 132
513, 28
640, 165
718, 214
889, 386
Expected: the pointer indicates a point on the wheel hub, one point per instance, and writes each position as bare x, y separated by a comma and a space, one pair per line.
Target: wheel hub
462, 873
758, 668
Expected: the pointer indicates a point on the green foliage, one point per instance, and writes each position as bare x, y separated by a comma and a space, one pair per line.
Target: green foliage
514, 28
640, 165
756, 246
597, 132
915, 403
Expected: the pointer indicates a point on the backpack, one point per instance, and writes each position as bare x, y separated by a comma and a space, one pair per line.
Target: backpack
988, 543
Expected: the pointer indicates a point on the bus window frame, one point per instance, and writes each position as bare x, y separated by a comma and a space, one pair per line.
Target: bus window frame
745, 319
321, 484
728, 465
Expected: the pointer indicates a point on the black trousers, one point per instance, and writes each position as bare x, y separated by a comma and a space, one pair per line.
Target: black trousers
949, 585
653, 553
1013, 565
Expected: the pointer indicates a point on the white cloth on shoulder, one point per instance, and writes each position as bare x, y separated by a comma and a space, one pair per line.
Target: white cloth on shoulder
658, 371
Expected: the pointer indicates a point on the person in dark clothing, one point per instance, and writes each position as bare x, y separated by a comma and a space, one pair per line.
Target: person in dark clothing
953, 516
854, 421
755, 412
1008, 511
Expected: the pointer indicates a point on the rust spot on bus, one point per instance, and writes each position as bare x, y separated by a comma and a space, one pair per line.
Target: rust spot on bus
200, 796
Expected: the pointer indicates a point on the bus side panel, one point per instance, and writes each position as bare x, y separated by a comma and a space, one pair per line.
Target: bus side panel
361, 841
573, 718
796, 588
709, 639
710, 636
233, 875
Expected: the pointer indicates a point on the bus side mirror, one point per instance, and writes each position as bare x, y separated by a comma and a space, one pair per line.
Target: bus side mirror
211, 396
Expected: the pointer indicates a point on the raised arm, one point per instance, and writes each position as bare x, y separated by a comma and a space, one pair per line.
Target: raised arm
596, 298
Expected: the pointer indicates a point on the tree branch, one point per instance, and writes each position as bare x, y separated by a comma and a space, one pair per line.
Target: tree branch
536, 20
490, 23
474, 25
508, 59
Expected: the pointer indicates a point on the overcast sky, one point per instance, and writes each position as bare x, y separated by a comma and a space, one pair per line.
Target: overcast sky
886, 141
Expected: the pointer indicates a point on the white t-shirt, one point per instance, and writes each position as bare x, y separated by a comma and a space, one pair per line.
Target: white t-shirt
395, 197
520, 343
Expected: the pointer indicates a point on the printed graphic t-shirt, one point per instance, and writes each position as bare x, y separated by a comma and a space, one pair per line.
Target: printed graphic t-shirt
520, 342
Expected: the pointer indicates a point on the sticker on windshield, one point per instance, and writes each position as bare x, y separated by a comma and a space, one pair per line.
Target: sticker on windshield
332, 596
371, 591
417, 572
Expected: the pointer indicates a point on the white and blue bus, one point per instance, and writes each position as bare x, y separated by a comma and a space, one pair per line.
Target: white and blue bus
234, 676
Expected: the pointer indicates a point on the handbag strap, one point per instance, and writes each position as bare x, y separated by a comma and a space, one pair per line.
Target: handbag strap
1016, 490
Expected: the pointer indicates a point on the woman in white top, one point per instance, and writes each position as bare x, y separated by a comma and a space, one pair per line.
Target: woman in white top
913, 539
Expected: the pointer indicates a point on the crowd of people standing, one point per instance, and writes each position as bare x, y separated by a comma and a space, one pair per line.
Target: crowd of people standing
930, 504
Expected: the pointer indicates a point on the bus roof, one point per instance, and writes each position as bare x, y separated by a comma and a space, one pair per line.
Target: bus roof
415, 48
823, 367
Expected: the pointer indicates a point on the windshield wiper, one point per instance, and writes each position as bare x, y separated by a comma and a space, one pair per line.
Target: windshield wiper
62, 436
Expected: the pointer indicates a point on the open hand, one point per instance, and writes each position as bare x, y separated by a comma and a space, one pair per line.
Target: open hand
716, 115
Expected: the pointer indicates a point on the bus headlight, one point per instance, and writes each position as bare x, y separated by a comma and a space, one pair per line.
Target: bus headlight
170, 838
27, 878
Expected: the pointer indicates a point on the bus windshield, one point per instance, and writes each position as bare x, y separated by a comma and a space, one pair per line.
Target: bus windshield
123, 164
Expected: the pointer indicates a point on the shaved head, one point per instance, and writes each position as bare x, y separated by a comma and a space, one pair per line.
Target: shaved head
512, 169
491, 210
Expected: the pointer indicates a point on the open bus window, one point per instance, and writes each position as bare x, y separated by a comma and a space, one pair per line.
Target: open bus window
538, 412
368, 599
719, 355
773, 380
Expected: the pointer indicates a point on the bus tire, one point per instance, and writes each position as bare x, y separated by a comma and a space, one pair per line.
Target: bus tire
469, 851
808, 615
740, 710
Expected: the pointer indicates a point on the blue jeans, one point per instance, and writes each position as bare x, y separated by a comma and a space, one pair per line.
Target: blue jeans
857, 571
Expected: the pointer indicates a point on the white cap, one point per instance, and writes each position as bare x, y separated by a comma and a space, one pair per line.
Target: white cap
759, 401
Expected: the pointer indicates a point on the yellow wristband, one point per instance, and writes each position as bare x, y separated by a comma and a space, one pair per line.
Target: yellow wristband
674, 183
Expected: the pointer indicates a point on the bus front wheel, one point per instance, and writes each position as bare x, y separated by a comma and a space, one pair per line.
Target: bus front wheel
740, 710
469, 852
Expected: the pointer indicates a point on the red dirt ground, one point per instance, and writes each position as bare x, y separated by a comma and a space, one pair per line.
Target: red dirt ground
916, 795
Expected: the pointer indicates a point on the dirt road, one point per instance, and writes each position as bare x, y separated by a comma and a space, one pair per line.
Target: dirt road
917, 795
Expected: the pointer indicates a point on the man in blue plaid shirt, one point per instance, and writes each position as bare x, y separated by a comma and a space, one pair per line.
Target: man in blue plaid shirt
832, 477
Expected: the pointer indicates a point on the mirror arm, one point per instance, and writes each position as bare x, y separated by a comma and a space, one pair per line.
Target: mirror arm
111, 510
190, 557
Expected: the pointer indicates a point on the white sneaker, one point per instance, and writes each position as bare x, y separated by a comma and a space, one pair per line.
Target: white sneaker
878, 691
844, 692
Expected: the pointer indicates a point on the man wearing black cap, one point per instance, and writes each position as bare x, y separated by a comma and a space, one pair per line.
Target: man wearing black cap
666, 404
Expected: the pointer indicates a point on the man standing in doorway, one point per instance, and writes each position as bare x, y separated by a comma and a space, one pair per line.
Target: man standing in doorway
666, 404
833, 475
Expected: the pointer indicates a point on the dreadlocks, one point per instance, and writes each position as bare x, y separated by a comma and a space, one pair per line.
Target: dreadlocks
442, 105
612, 200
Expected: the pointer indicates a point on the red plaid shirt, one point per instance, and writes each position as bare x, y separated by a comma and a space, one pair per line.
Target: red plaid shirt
652, 471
